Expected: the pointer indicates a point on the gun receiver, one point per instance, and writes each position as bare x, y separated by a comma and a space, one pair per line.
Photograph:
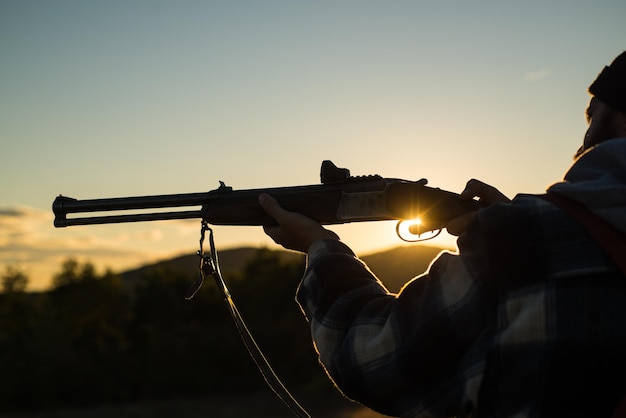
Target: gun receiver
340, 198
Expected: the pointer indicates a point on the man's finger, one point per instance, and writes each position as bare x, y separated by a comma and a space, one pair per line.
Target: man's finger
271, 206
486, 194
459, 224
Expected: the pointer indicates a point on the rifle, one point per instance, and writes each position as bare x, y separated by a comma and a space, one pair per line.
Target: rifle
340, 198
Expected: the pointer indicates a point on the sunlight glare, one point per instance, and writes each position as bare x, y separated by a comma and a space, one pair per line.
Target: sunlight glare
414, 226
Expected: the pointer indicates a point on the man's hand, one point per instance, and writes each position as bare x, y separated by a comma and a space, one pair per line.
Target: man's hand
487, 195
294, 231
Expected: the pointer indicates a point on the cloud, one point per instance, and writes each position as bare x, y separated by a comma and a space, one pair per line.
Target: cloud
11, 215
16, 222
11, 212
538, 75
30, 242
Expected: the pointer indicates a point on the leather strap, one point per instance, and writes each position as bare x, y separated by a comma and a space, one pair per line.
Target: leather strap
610, 239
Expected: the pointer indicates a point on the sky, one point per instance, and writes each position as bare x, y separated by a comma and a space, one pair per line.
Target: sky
134, 98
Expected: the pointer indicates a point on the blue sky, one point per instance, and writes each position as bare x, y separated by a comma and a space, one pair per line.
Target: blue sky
117, 98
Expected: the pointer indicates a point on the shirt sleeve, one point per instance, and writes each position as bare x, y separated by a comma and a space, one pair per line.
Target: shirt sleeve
417, 352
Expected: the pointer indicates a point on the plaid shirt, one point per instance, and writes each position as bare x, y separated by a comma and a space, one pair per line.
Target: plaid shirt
528, 320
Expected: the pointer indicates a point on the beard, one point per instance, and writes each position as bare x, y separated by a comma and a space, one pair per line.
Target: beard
604, 127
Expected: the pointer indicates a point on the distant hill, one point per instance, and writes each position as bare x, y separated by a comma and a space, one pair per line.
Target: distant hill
394, 266
231, 261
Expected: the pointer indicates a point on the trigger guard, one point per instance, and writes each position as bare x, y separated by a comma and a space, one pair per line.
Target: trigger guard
418, 237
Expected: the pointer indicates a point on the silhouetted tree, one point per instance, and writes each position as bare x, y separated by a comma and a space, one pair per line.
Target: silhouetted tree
20, 329
14, 280
265, 293
72, 272
94, 338
91, 314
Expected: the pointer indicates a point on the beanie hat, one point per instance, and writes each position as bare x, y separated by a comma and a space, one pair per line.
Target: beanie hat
610, 86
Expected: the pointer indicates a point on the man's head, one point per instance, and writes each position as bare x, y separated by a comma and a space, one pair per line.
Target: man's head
606, 114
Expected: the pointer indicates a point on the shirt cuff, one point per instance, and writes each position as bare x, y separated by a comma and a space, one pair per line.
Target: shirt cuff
324, 247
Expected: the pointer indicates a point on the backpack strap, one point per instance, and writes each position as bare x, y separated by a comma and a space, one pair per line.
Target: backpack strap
609, 238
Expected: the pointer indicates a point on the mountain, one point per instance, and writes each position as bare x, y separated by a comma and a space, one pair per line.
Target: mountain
394, 267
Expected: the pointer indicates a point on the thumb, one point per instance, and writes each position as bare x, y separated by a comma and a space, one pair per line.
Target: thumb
271, 206
459, 224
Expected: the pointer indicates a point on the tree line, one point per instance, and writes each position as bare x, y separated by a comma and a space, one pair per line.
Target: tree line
95, 338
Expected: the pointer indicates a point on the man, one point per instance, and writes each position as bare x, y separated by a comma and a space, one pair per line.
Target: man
528, 320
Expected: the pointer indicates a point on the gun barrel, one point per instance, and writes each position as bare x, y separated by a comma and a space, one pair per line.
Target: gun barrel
63, 205
138, 217
222, 206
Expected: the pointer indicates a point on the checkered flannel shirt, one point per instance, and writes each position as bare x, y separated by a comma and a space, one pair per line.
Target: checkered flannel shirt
528, 320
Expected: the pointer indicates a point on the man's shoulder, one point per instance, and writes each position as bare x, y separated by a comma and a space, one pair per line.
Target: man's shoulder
534, 233
526, 212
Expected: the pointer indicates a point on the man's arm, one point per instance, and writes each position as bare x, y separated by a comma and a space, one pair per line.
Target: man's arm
398, 354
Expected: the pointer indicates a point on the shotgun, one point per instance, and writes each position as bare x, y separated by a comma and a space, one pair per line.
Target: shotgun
340, 198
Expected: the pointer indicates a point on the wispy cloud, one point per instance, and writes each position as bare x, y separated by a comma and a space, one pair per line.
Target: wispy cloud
537, 75
17, 223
